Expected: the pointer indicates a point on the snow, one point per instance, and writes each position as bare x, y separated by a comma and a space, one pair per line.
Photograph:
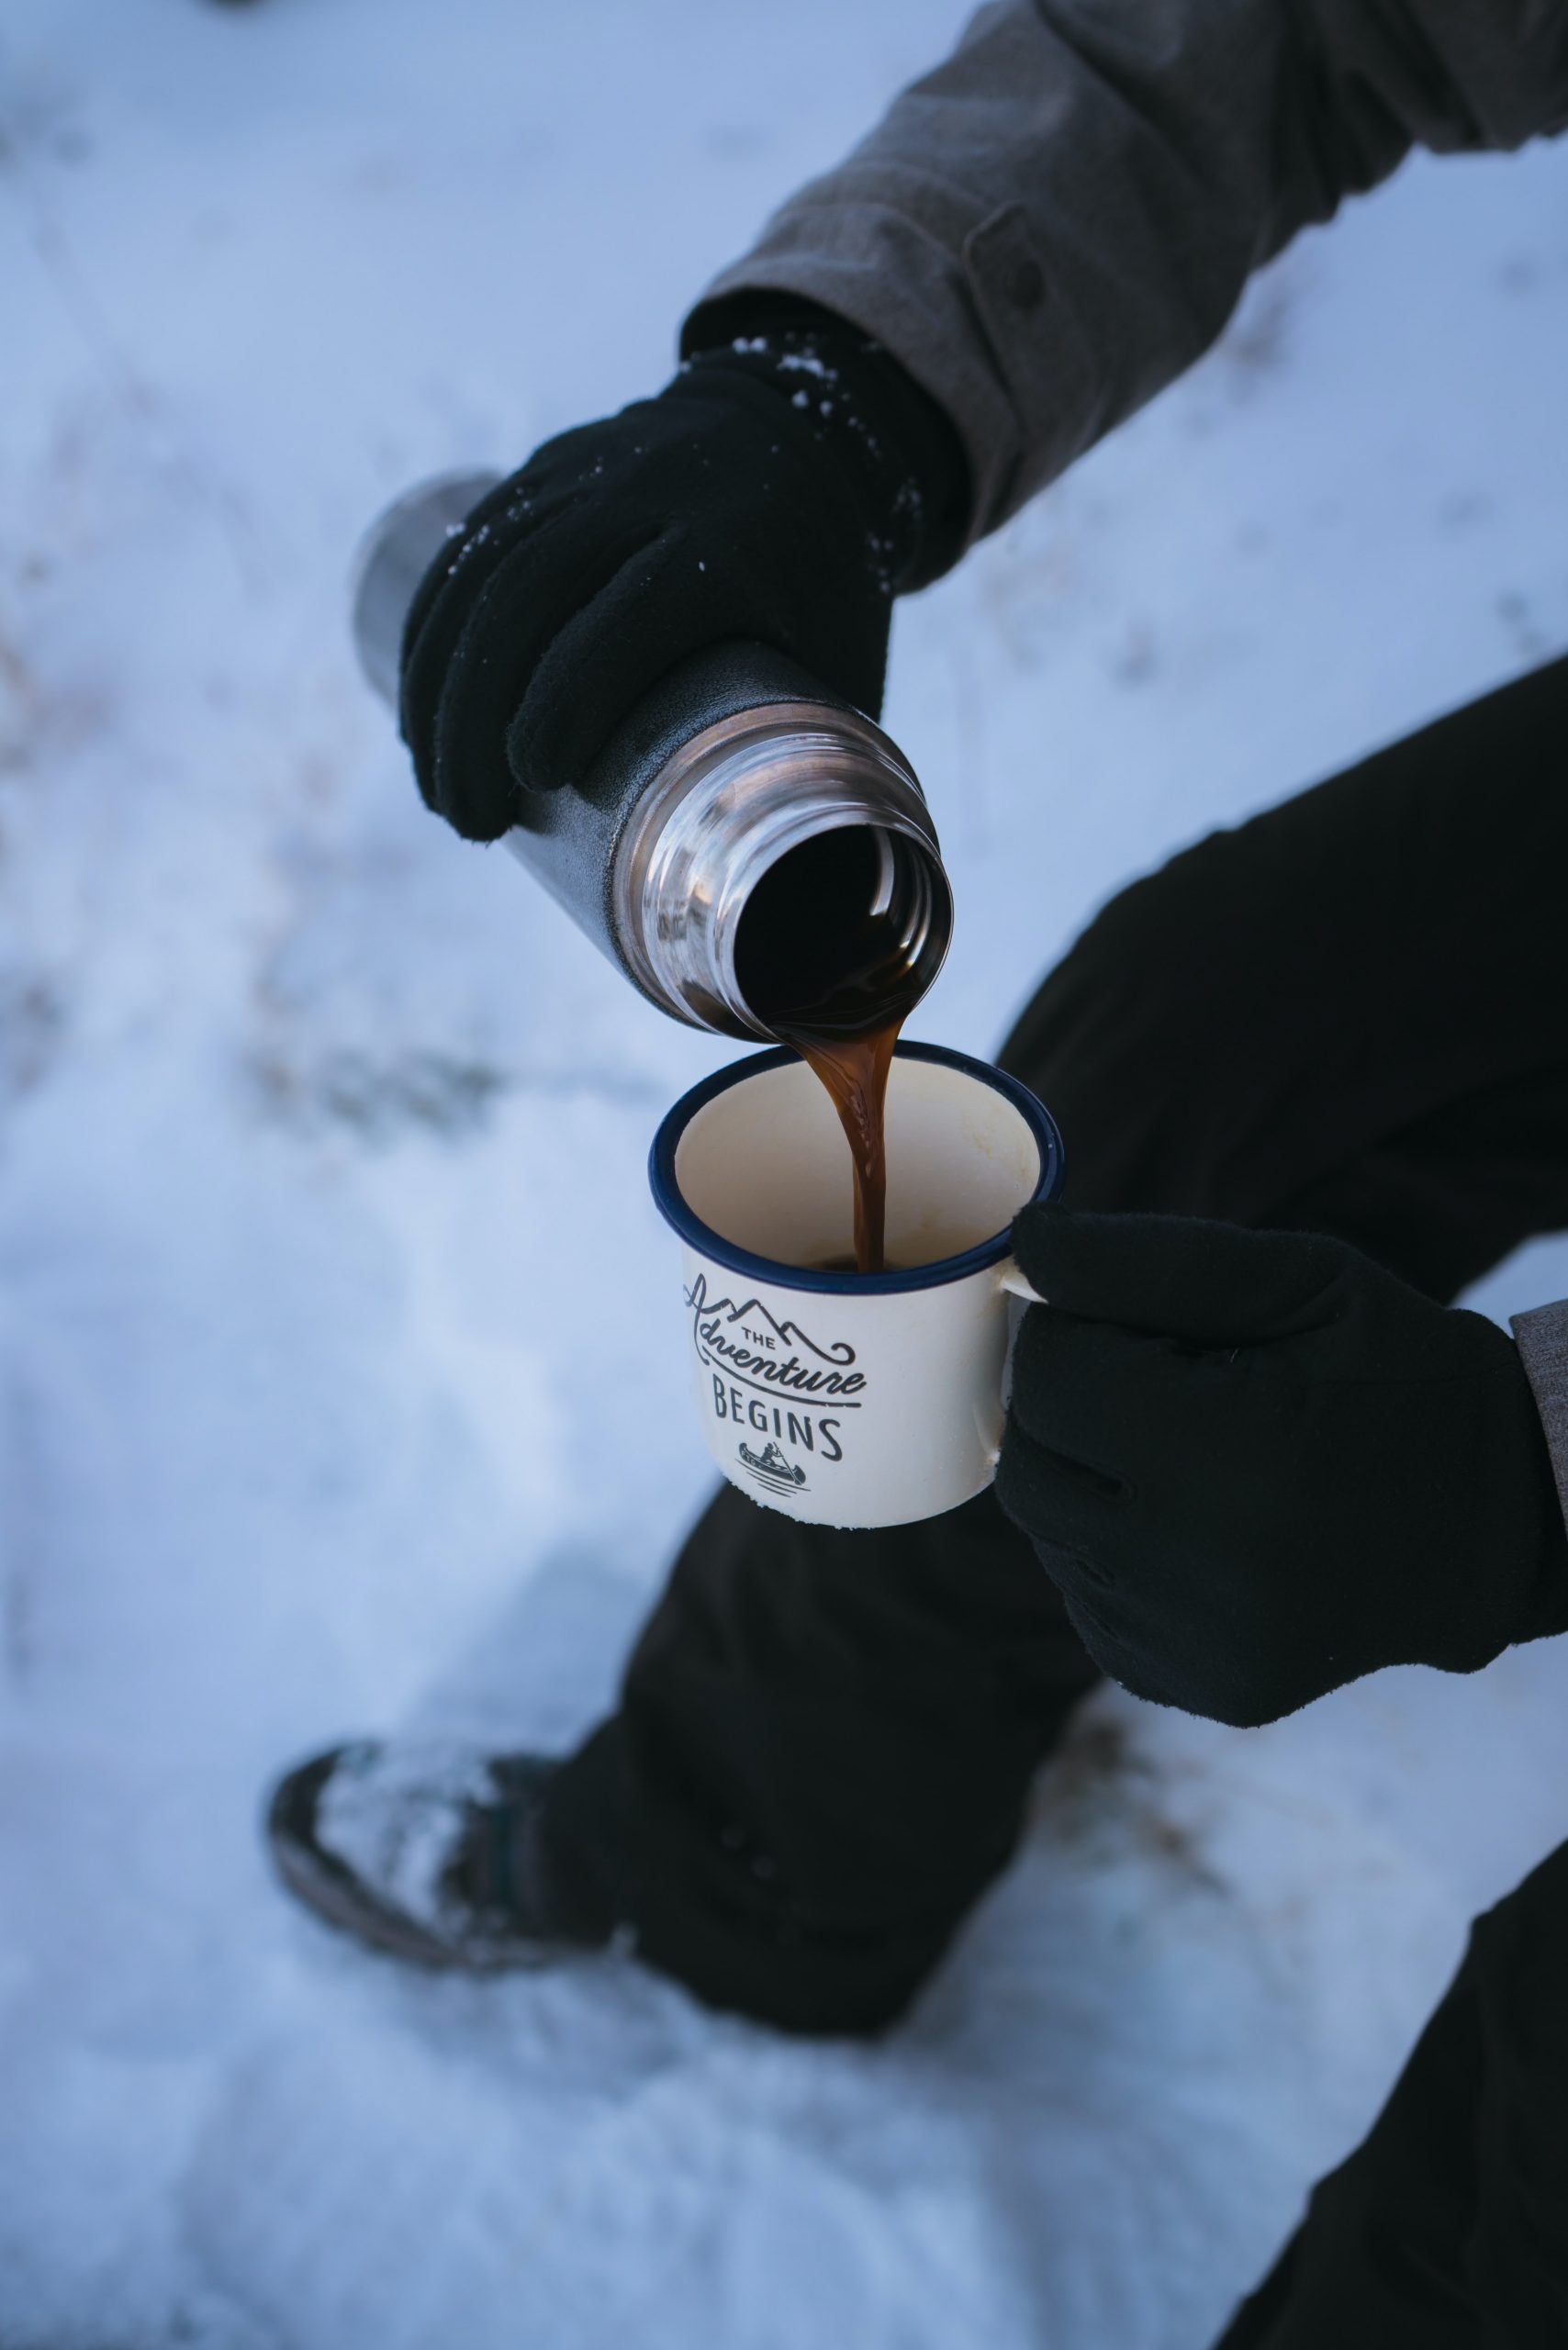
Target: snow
338, 1388
397, 1814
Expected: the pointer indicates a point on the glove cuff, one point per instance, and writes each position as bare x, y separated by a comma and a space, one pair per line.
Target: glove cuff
853, 397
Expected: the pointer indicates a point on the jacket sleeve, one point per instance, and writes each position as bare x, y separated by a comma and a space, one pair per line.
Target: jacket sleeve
1543, 1337
1061, 218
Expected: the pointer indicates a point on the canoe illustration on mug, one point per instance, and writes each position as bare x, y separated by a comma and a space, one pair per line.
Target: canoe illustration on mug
771, 1464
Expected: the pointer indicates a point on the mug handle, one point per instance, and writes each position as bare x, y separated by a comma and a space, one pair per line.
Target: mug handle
1011, 1278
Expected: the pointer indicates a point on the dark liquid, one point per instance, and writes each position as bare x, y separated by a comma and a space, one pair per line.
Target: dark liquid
927, 1248
821, 961
854, 1071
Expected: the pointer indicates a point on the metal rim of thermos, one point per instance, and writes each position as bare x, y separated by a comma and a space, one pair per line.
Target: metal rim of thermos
725, 809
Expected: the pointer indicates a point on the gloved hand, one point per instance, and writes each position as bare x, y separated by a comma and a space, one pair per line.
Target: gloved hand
783, 488
1256, 1465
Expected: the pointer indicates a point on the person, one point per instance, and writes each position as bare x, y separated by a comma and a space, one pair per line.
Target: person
1315, 1078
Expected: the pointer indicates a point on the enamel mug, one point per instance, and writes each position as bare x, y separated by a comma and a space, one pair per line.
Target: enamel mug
846, 1399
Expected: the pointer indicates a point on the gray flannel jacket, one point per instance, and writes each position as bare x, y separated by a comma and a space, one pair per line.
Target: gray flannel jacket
1057, 221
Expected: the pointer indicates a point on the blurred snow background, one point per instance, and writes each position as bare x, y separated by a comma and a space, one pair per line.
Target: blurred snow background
337, 1389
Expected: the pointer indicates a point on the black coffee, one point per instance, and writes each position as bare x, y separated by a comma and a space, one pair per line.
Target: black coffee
927, 1249
821, 961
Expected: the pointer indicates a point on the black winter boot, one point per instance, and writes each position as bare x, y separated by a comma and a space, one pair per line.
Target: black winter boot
434, 1852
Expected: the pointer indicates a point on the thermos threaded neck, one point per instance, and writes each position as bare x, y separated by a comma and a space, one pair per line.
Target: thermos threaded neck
817, 804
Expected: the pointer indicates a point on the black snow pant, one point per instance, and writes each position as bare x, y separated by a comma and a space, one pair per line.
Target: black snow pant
1448, 2227
1348, 1015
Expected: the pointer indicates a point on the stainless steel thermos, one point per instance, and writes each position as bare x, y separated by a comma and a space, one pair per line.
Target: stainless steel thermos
732, 768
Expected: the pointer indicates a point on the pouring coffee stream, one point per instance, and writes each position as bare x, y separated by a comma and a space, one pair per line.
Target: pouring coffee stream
854, 1071
820, 960
749, 849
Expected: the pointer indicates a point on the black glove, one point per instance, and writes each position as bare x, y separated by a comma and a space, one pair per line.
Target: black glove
1256, 1465
783, 488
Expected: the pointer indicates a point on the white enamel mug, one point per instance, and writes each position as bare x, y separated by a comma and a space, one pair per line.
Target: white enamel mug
840, 1398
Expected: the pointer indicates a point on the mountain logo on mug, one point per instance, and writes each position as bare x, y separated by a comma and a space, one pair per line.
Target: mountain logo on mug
748, 1343
771, 1467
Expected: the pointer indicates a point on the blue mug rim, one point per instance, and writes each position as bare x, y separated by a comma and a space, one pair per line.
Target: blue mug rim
701, 1236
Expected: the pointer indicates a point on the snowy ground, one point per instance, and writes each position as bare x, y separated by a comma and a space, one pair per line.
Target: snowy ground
320, 1184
